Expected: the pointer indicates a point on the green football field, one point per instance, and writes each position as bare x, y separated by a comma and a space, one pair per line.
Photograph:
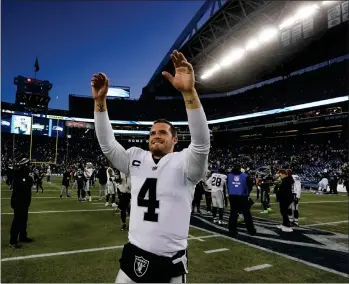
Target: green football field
82, 242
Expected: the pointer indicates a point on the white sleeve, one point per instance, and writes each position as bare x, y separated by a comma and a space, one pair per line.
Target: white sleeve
208, 182
299, 190
196, 159
112, 149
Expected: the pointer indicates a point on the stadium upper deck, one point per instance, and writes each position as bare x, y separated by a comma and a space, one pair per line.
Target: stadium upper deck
246, 42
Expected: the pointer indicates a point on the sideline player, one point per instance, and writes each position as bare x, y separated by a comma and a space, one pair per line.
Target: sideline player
296, 190
88, 172
218, 184
111, 187
162, 181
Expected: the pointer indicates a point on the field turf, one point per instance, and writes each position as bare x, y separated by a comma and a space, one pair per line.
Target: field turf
82, 242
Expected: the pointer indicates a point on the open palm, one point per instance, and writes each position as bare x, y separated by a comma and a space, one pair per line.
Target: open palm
184, 78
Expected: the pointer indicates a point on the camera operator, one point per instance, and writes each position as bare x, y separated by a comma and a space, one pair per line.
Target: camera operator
20, 202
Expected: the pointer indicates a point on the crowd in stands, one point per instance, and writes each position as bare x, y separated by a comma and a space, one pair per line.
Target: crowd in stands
308, 158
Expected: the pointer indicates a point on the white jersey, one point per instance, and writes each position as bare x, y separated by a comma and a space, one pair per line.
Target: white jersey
125, 185
297, 186
216, 182
88, 173
111, 176
323, 183
162, 193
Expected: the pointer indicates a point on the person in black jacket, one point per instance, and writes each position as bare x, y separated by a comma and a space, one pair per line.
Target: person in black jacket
65, 183
199, 191
20, 202
285, 199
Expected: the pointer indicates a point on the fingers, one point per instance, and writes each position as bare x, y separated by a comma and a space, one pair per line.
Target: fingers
179, 59
188, 65
99, 80
174, 60
168, 76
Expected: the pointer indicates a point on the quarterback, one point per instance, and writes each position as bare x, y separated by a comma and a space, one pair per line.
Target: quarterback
162, 183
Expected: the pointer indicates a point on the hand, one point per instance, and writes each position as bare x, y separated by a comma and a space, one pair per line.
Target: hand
99, 85
184, 78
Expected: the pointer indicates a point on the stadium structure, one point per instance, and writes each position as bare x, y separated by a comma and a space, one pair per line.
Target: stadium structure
272, 77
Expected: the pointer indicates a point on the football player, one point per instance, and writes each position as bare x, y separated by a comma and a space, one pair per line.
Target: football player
80, 182
218, 184
163, 183
88, 175
65, 182
296, 190
111, 187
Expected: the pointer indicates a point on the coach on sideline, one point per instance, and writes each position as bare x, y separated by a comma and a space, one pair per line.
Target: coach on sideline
20, 202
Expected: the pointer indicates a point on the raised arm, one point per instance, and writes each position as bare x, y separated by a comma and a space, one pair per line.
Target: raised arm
196, 161
116, 154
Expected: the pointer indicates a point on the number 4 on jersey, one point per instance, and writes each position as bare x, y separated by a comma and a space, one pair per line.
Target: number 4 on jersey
151, 203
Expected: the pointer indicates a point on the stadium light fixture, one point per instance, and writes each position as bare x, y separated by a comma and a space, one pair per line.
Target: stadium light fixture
328, 2
211, 71
307, 12
252, 44
232, 57
287, 23
268, 35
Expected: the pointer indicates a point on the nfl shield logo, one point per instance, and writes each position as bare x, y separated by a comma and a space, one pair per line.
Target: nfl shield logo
236, 178
140, 266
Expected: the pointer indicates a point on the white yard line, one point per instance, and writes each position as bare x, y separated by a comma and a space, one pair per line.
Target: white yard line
62, 211
328, 223
197, 238
215, 250
85, 250
59, 253
257, 267
277, 253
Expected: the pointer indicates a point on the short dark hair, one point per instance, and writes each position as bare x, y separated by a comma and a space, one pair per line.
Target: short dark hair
172, 128
283, 172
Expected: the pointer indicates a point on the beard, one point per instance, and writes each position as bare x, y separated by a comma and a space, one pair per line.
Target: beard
158, 152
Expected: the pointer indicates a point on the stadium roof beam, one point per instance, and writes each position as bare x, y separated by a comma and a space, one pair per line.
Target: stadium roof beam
235, 22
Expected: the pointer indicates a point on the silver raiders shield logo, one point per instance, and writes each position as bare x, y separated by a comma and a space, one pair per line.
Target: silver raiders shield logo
140, 266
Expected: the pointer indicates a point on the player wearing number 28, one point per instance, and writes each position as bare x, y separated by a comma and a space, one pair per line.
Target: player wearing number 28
162, 183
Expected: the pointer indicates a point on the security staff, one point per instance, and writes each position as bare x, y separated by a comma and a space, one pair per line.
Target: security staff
20, 202
239, 187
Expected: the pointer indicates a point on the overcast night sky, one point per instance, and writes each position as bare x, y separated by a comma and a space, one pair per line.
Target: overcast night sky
127, 40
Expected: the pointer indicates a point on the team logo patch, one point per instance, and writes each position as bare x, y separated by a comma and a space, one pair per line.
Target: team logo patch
140, 266
236, 178
154, 168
